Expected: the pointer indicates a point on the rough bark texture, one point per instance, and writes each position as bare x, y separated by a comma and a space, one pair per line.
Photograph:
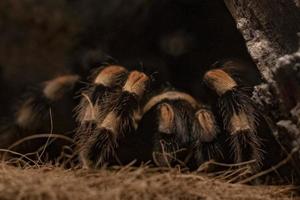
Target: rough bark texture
269, 28
271, 31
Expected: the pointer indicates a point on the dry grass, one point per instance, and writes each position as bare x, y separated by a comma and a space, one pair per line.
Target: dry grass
49, 182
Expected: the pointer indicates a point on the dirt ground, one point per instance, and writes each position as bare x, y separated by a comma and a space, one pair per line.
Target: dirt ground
51, 183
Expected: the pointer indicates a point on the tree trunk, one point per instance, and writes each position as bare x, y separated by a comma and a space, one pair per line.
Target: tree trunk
271, 29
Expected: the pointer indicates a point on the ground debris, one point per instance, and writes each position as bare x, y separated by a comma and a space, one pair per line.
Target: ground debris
47, 182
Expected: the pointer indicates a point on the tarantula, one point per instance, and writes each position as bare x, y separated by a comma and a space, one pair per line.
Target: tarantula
120, 117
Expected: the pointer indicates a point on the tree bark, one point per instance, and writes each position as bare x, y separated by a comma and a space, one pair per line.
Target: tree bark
271, 29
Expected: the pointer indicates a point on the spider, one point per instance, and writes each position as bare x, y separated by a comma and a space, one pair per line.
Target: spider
118, 117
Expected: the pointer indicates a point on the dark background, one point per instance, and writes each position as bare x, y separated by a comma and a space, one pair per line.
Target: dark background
179, 39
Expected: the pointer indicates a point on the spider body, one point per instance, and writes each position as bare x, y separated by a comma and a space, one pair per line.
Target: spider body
119, 118
168, 123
